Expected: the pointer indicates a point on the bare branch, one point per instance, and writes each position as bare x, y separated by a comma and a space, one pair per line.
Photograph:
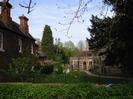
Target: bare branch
78, 14
28, 6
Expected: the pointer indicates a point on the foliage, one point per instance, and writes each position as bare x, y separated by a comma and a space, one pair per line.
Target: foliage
25, 63
64, 51
67, 91
47, 43
47, 68
81, 45
75, 77
70, 45
72, 77
115, 35
121, 6
99, 32
61, 56
120, 49
58, 68
22, 68
70, 49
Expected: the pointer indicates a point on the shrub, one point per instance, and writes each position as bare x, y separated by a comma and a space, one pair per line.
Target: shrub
22, 67
47, 69
72, 77
25, 63
58, 68
67, 91
3, 75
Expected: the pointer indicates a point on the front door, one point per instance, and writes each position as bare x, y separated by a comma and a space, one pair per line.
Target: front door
84, 65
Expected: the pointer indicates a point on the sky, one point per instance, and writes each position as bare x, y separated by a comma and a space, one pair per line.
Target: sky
53, 12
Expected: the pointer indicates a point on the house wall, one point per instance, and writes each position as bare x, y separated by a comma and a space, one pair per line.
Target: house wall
100, 68
11, 47
81, 63
26, 44
10, 38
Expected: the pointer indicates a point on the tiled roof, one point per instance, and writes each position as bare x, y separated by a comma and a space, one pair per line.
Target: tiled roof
84, 54
15, 28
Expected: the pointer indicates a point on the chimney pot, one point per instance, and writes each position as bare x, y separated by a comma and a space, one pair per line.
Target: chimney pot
5, 13
24, 24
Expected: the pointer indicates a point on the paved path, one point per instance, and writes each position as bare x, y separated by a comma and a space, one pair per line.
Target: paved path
113, 77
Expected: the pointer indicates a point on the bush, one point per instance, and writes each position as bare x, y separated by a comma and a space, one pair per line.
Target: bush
72, 77
58, 68
25, 63
67, 91
47, 69
3, 75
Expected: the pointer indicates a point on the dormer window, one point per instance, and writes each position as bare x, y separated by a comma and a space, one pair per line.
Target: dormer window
1, 42
20, 45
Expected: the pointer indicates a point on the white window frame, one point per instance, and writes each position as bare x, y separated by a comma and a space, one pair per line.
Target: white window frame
1, 41
20, 45
0, 9
32, 48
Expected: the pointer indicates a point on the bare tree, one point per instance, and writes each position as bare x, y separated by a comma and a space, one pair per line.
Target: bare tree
29, 5
6, 0
82, 8
78, 14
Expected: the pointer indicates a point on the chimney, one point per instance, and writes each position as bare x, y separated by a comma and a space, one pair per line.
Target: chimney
5, 13
24, 24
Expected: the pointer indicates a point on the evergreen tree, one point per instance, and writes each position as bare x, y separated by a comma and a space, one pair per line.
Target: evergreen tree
115, 34
120, 51
47, 43
99, 32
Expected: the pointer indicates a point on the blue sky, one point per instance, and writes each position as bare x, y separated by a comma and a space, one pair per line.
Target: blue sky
52, 12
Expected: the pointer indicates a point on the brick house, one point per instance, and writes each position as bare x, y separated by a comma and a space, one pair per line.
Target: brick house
83, 61
14, 37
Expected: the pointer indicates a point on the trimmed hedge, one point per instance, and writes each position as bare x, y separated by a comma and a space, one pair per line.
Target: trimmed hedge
67, 91
47, 69
72, 77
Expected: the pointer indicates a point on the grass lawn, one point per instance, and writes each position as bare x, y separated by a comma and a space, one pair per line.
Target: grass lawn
74, 85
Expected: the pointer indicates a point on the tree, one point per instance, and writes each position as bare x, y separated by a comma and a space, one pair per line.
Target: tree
29, 6
59, 50
70, 49
47, 43
99, 32
58, 46
121, 6
77, 15
120, 51
81, 45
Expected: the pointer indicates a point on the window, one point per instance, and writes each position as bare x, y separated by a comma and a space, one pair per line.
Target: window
32, 49
0, 9
90, 63
1, 42
20, 45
